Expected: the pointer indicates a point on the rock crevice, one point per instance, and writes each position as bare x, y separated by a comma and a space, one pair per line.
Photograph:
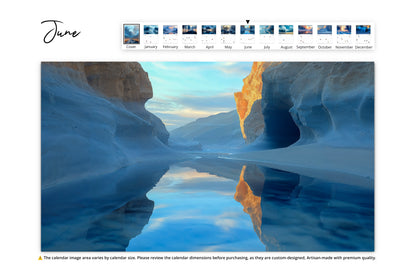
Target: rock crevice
331, 103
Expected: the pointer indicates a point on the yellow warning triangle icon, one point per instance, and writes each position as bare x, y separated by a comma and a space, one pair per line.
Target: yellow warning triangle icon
40, 258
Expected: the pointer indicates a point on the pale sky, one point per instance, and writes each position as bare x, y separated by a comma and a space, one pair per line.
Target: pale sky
186, 91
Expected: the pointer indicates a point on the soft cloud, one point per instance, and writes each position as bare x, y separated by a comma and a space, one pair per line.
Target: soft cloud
157, 223
216, 102
226, 220
189, 174
177, 111
186, 91
226, 223
232, 68
192, 113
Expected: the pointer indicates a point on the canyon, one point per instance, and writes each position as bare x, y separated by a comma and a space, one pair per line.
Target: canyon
295, 159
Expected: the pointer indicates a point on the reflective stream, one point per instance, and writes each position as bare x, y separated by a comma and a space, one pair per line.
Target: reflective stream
208, 205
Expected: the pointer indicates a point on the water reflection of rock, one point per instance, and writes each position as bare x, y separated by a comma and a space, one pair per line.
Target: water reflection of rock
296, 213
101, 213
250, 200
113, 231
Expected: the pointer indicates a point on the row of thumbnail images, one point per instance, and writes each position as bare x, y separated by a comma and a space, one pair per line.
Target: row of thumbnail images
133, 30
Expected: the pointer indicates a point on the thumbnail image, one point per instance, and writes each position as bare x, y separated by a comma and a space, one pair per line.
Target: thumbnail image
151, 29
285, 29
209, 29
247, 29
324, 29
363, 29
343, 29
131, 33
305, 29
156, 156
228, 29
170, 29
266, 29
189, 29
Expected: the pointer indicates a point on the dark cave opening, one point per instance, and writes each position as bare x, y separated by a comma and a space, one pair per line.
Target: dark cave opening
280, 128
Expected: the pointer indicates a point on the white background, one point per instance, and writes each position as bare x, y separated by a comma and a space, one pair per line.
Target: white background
22, 50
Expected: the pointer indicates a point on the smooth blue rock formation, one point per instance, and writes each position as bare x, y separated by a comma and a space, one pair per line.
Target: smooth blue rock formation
84, 133
330, 103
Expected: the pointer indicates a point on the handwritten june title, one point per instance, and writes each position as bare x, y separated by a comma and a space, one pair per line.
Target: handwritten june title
57, 32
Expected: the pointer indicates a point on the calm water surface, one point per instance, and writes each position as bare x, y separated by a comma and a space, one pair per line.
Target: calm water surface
208, 205
196, 212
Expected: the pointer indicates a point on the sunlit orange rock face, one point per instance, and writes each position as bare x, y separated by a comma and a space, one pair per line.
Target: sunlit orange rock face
250, 202
123, 80
249, 99
126, 81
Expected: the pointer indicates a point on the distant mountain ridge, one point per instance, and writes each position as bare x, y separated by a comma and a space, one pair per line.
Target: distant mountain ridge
219, 131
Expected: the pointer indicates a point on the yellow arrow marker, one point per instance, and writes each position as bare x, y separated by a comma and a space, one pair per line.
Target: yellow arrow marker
40, 258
